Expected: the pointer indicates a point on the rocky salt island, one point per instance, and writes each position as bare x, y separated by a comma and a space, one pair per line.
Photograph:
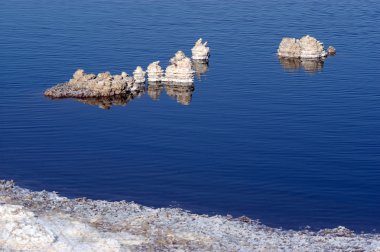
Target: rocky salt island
105, 89
307, 53
45, 221
84, 85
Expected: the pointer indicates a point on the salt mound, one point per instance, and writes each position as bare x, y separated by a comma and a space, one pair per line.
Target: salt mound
155, 72
180, 69
139, 75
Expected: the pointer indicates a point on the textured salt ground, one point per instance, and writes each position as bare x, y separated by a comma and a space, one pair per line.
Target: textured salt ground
44, 221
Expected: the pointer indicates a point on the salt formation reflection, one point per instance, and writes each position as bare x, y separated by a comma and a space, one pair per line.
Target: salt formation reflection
117, 100
182, 93
154, 90
309, 65
200, 68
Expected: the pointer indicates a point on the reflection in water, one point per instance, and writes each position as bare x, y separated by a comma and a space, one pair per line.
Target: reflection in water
183, 93
121, 100
200, 67
309, 65
107, 102
154, 90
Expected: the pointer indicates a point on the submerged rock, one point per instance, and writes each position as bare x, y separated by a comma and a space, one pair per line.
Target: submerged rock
139, 75
200, 51
331, 50
155, 72
180, 69
90, 85
307, 47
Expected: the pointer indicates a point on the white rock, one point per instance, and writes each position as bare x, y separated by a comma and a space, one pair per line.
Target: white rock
20, 229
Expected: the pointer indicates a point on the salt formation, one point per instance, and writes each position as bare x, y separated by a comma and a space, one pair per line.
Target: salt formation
155, 72
200, 51
180, 69
139, 75
90, 85
307, 47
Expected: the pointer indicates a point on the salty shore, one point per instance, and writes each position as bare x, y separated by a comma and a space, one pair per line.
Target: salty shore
45, 221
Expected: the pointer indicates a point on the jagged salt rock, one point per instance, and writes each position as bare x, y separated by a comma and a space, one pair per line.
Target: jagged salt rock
306, 47
84, 85
311, 48
289, 48
78, 74
200, 51
155, 72
180, 69
139, 75
124, 74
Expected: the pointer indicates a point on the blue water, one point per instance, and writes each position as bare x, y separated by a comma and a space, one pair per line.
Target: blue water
289, 146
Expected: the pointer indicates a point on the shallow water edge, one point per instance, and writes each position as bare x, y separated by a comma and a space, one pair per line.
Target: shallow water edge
44, 220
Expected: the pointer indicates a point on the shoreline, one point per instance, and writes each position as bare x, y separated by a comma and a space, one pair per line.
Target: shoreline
46, 221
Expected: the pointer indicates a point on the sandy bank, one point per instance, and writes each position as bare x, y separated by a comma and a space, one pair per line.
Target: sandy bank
44, 221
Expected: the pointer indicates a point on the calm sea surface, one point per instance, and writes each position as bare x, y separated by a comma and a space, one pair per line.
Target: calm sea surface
289, 144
